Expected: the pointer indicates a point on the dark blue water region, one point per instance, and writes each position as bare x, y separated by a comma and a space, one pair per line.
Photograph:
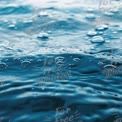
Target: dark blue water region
29, 92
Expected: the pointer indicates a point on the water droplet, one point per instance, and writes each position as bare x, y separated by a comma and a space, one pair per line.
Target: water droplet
92, 33
102, 27
59, 60
16, 59
27, 21
90, 9
43, 35
100, 63
25, 63
109, 14
43, 14
109, 66
12, 26
90, 16
76, 59
119, 30
115, 10
97, 39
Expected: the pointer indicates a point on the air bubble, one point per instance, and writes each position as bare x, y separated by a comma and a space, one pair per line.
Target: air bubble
102, 27
59, 60
115, 10
97, 39
109, 14
100, 63
43, 14
90, 10
43, 35
90, 16
109, 65
76, 59
12, 26
27, 21
92, 33
25, 63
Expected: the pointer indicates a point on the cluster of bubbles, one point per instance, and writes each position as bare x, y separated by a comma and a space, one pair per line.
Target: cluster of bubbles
41, 21
112, 11
27, 62
112, 68
96, 36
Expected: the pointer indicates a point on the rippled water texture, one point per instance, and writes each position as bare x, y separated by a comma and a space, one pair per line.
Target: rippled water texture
60, 61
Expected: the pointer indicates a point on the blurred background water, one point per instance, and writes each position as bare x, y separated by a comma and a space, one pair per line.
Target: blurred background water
53, 54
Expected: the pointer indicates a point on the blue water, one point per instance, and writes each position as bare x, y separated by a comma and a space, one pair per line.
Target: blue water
60, 61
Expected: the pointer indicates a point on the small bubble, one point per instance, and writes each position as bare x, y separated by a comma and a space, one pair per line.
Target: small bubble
109, 14
59, 60
92, 33
102, 27
12, 26
90, 16
76, 59
100, 63
90, 9
25, 63
114, 10
27, 21
109, 66
43, 35
43, 14
97, 39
